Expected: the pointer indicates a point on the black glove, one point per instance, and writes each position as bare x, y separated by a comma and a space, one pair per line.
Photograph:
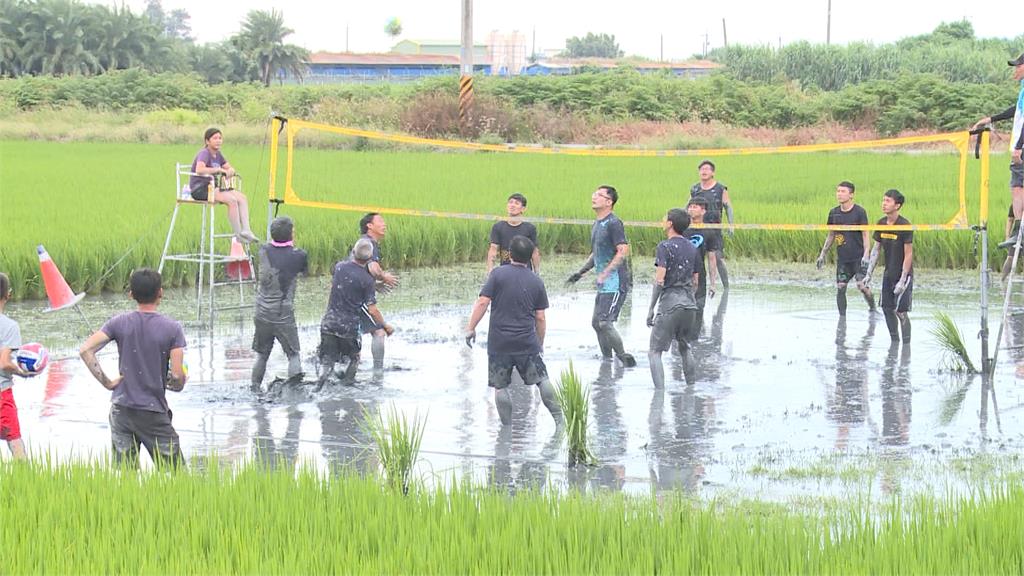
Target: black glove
574, 278
864, 267
470, 337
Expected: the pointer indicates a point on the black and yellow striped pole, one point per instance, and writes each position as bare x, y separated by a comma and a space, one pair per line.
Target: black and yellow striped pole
465, 99
466, 67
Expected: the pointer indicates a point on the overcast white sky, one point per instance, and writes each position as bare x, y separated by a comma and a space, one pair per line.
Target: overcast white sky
636, 24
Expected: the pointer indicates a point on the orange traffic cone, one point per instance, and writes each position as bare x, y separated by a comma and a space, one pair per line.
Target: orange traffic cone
238, 268
57, 290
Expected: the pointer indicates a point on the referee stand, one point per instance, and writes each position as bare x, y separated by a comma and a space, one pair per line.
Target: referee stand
239, 271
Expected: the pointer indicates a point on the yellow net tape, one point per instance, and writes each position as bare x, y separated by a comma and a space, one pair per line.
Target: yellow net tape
960, 140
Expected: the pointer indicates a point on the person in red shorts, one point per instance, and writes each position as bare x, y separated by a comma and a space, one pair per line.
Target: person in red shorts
10, 340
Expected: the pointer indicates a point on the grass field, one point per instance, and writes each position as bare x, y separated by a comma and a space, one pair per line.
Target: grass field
278, 521
89, 203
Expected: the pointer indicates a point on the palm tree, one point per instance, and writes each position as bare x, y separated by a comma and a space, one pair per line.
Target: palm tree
54, 36
262, 40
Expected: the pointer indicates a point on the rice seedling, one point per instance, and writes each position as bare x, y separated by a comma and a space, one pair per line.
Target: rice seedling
574, 399
87, 518
398, 440
945, 331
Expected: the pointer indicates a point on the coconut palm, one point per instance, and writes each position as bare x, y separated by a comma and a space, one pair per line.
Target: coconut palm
262, 40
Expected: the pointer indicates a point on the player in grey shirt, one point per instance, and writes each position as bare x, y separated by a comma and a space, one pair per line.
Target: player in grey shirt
151, 350
673, 296
281, 263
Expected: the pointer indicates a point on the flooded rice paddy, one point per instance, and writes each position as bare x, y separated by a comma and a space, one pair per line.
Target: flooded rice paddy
788, 400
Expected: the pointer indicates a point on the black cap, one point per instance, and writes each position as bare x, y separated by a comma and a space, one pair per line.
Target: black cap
1017, 61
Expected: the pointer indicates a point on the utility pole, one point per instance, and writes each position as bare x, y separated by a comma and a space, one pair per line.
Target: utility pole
706, 43
533, 45
466, 64
725, 36
661, 58
828, 25
346, 37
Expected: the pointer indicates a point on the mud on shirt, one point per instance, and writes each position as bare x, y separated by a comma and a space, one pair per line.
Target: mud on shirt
352, 291
677, 256
605, 237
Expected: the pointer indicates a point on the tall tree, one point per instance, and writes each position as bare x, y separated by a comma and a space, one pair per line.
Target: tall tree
261, 40
592, 46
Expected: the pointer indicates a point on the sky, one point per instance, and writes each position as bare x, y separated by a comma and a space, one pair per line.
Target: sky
639, 26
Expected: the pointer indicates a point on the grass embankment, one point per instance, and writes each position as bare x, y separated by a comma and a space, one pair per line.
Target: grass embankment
90, 202
87, 519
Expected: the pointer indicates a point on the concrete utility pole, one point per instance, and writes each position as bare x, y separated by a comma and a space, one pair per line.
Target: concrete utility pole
725, 36
828, 25
466, 64
661, 57
346, 37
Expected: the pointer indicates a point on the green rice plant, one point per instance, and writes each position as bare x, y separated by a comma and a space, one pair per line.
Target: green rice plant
574, 399
398, 440
89, 209
77, 518
945, 331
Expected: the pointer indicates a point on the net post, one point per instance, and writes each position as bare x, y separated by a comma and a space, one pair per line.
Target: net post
986, 361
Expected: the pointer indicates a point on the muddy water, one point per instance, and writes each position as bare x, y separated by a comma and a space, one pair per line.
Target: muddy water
788, 401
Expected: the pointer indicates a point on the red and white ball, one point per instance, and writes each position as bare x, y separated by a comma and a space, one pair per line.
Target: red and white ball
33, 357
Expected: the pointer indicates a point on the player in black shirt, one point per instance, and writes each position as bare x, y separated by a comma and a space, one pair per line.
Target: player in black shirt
504, 230
515, 339
852, 247
716, 195
898, 279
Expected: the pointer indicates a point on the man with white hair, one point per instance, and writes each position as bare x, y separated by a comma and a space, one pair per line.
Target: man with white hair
353, 300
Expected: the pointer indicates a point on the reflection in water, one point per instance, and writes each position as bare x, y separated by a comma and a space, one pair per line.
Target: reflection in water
675, 451
896, 395
611, 438
847, 402
532, 475
345, 443
273, 453
57, 379
709, 361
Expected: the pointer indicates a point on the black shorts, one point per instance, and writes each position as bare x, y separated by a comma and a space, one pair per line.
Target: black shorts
131, 427
846, 271
200, 192
285, 333
531, 369
368, 326
607, 306
1016, 175
334, 347
678, 325
890, 301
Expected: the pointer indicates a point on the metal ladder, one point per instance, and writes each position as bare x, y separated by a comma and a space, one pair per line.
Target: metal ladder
207, 256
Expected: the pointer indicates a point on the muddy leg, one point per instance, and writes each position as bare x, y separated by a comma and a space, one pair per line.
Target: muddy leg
892, 323
503, 402
550, 399
657, 368
904, 326
841, 298
259, 369
377, 349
